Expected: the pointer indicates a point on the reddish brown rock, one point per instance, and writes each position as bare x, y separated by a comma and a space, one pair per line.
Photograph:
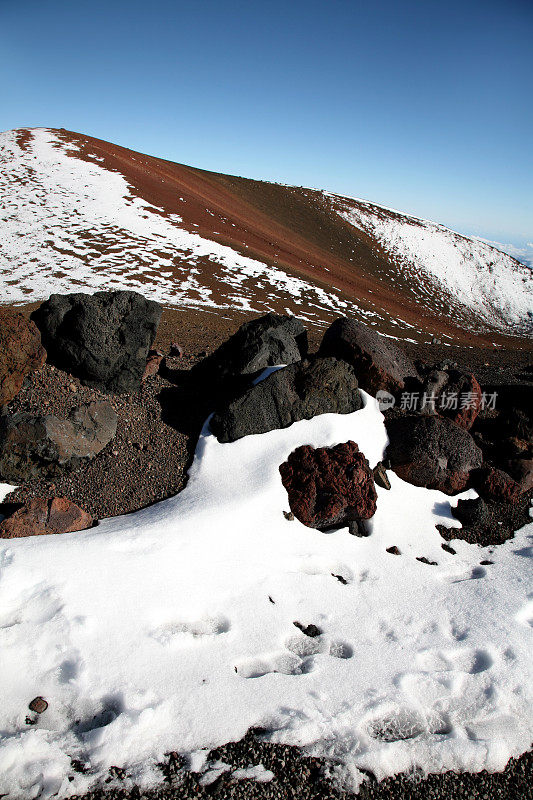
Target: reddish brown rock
377, 362
21, 352
153, 362
329, 487
498, 485
452, 394
38, 704
40, 517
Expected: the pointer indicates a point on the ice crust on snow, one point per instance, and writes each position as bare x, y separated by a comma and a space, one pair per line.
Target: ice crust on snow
172, 629
490, 283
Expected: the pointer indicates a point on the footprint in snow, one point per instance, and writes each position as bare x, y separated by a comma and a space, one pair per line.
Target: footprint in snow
182, 632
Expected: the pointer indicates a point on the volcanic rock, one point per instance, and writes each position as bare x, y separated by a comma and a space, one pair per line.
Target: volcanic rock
103, 339
330, 486
40, 517
38, 447
521, 469
378, 363
38, 705
495, 484
21, 352
432, 452
452, 394
380, 476
471, 512
268, 341
300, 391
153, 362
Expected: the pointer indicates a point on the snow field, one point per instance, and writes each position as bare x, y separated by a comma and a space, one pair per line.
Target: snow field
172, 629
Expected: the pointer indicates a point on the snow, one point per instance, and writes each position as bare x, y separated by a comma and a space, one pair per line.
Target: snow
69, 225
171, 629
490, 283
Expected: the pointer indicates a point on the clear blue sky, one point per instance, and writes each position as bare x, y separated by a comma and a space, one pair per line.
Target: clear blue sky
423, 105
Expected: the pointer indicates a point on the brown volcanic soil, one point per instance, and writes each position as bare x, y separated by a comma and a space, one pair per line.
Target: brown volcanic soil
290, 227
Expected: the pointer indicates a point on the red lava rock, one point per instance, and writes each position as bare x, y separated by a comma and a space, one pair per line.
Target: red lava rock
40, 517
452, 394
21, 352
38, 704
152, 364
329, 487
498, 485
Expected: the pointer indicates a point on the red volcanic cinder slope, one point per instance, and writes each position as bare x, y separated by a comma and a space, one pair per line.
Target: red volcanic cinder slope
84, 214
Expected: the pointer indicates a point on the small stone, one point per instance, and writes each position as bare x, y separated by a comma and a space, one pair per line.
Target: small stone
309, 630
425, 560
380, 476
394, 551
176, 350
73, 387
288, 515
38, 704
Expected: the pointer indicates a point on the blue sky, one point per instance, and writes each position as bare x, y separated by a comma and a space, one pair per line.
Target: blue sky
424, 106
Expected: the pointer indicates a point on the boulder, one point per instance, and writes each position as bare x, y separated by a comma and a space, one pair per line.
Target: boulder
378, 363
103, 339
39, 447
21, 352
521, 469
452, 394
497, 485
432, 451
268, 341
329, 487
300, 391
39, 517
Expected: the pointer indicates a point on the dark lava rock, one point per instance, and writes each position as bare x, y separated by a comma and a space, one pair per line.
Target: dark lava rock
40, 517
378, 363
268, 341
20, 352
394, 550
309, 630
38, 447
300, 391
521, 469
432, 452
471, 512
103, 339
330, 486
38, 705
452, 394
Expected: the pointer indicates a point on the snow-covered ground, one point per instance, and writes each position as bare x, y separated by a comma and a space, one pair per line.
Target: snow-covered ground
490, 283
172, 629
69, 225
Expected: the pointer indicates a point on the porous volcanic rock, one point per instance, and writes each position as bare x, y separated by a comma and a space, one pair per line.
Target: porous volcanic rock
21, 352
39, 447
329, 487
497, 485
452, 394
40, 516
268, 341
153, 363
471, 512
521, 469
378, 363
103, 339
300, 391
432, 451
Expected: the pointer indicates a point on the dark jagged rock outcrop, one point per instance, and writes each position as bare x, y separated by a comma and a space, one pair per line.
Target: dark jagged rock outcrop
39, 517
329, 487
377, 362
39, 447
103, 339
21, 352
268, 341
300, 391
432, 451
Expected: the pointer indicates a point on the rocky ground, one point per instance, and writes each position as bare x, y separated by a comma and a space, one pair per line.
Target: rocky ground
147, 461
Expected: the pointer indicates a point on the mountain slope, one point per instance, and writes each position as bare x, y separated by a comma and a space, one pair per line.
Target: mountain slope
82, 214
